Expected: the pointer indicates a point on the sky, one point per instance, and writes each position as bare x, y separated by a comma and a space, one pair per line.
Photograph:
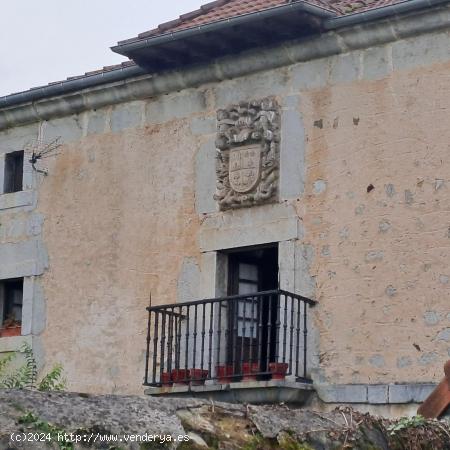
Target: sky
49, 40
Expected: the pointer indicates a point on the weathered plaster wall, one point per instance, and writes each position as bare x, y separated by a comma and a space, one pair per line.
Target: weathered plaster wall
377, 213
120, 224
128, 209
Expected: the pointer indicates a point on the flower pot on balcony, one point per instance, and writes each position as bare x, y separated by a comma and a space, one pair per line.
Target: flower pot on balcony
11, 331
166, 379
278, 370
224, 373
198, 376
249, 371
180, 376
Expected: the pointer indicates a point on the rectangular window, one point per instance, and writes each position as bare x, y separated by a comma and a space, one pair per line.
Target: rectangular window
11, 297
13, 172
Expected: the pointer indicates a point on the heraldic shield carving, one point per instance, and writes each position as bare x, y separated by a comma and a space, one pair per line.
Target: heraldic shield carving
247, 162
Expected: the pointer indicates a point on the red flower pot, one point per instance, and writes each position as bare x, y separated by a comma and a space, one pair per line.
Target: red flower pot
180, 376
198, 376
278, 370
224, 374
11, 331
166, 379
249, 371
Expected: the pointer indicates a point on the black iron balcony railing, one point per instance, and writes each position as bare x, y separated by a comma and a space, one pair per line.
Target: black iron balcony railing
259, 335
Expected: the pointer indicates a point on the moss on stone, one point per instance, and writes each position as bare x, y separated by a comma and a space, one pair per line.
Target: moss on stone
258, 442
288, 442
153, 446
284, 442
191, 446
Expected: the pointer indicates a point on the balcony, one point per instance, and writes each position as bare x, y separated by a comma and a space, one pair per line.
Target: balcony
256, 339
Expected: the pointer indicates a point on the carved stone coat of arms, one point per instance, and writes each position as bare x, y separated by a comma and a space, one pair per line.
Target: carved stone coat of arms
247, 163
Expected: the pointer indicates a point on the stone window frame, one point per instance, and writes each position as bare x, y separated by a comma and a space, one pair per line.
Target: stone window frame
215, 280
14, 343
270, 224
19, 198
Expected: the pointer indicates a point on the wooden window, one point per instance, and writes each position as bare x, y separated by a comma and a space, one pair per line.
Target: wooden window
251, 319
13, 172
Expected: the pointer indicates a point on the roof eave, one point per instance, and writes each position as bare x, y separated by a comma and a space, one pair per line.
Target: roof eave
130, 47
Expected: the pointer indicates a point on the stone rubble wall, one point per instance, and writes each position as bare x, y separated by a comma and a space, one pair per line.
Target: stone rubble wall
206, 425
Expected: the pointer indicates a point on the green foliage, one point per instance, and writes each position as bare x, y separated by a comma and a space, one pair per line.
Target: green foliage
54, 433
25, 377
5, 362
405, 423
53, 381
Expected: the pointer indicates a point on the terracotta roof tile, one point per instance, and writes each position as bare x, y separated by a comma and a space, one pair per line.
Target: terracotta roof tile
224, 9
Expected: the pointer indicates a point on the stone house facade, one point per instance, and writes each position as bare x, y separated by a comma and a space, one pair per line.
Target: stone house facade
244, 148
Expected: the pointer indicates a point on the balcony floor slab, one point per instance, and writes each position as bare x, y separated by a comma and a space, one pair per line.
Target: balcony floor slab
254, 392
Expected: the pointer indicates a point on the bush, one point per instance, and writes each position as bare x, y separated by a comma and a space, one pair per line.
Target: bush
25, 377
